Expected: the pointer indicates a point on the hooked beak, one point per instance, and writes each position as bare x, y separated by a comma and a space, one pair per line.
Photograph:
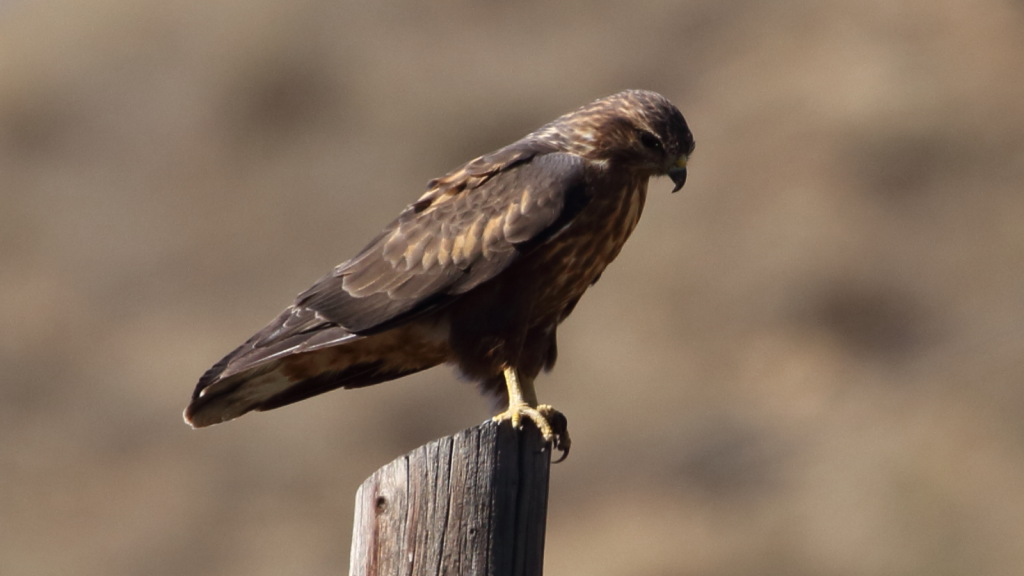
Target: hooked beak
678, 173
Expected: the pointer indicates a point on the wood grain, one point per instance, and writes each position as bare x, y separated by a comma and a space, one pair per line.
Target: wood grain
470, 504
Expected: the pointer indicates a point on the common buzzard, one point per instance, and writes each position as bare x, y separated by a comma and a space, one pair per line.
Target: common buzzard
479, 272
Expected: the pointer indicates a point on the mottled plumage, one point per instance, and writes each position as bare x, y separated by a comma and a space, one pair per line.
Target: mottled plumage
478, 272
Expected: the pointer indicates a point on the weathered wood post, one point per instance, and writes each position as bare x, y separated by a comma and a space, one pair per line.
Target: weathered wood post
470, 504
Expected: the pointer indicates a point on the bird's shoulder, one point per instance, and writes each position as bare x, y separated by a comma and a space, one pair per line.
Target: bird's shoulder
476, 177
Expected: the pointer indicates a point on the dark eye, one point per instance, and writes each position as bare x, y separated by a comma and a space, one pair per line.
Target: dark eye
650, 140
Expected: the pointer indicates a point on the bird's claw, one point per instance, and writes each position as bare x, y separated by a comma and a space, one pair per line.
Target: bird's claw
551, 423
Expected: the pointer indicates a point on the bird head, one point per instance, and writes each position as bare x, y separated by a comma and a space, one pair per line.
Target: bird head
638, 129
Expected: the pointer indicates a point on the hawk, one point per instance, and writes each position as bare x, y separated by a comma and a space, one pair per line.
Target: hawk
477, 273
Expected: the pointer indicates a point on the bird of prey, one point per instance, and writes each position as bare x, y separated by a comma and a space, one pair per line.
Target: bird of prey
477, 273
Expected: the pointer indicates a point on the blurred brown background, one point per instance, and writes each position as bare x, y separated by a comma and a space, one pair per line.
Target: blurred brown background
809, 362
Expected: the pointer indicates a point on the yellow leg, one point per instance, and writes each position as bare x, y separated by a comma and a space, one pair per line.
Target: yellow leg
522, 402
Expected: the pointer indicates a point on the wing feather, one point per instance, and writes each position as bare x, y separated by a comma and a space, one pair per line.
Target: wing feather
466, 229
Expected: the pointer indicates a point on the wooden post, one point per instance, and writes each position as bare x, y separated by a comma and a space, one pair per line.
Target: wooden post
470, 504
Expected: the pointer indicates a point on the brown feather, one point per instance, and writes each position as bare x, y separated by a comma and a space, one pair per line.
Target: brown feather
393, 264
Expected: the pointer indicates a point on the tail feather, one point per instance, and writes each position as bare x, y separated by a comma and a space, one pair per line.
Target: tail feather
356, 376
220, 401
263, 378
267, 387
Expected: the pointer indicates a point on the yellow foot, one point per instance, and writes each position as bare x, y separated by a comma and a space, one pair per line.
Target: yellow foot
552, 424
